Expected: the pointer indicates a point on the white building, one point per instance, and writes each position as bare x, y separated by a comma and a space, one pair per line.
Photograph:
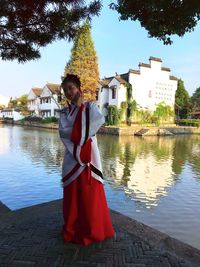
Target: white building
49, 100
45, 101
151, 84
11, 113
34, 101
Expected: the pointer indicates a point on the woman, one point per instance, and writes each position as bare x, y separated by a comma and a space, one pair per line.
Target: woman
85, 210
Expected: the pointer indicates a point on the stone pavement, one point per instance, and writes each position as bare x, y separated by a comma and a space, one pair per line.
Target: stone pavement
30, 237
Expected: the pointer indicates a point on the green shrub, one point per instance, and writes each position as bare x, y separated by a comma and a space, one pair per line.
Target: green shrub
49, 120
189, 122
113, 115
33, 119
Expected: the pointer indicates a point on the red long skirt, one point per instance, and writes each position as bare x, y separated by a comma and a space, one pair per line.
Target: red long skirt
85, 211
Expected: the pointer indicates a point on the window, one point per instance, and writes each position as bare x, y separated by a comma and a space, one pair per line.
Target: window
113, 92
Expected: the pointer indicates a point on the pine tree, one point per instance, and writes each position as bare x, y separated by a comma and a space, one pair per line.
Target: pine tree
196, 99
84, 63
182, 99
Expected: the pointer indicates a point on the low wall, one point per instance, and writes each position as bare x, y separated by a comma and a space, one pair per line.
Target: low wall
151, 131
34, 124
176, 130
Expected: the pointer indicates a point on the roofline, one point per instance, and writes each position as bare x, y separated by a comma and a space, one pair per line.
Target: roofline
144, 65
165, 69
155, 59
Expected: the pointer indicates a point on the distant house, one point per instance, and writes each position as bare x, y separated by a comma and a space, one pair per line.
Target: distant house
45, 101
151, 84
49, 100
11, 113
34, 101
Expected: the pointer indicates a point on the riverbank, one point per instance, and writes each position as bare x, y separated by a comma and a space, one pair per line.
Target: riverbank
31, 237
123, 130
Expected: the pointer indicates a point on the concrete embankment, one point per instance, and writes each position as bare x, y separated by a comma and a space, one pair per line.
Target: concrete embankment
153, 131
133, 130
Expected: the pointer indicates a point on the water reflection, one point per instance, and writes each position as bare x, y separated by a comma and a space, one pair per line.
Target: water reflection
4, 140
42, 147
148, 167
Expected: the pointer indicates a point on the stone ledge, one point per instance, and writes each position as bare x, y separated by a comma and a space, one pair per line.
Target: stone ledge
3, 208
158, 239
150, 235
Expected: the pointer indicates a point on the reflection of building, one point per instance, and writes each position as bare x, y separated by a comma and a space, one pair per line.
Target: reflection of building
151, 84
4, 140
45, 101
151, 178
143, 167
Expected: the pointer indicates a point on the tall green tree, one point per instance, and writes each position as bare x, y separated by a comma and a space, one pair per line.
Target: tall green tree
84, 62
182, 99
196, 99
131, 104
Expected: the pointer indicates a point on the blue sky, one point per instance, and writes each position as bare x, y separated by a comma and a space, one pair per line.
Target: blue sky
120, 45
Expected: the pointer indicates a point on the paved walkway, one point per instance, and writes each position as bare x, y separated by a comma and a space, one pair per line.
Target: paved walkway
30, 237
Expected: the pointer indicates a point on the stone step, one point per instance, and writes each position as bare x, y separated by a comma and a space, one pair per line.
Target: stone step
141, 132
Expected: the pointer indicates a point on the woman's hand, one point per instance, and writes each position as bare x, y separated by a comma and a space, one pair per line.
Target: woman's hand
77, 99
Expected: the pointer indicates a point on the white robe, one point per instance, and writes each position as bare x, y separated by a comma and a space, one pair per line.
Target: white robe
66, 121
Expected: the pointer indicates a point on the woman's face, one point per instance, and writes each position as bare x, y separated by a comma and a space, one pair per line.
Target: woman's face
72, 92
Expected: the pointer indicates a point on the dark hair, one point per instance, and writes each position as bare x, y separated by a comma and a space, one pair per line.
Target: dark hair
72, 78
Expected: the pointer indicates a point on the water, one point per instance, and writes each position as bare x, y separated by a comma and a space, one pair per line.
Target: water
155, 180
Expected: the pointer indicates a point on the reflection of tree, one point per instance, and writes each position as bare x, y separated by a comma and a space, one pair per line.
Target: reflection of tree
127, 157
182, 147
110, 148
194, 154
42, 146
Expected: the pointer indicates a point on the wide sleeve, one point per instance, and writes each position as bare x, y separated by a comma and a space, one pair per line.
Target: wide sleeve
82, 154
97, 119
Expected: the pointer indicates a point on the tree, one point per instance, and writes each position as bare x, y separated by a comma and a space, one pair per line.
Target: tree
25, 26
182, 99
113, 115
83, 62
22, 101
19, 102
161, 18
196, 99
2, 106
131, 104
163, 112
12, 103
